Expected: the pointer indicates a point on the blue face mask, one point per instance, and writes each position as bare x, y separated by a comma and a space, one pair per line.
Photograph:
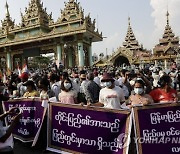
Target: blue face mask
67, 86
139, 91
108, 84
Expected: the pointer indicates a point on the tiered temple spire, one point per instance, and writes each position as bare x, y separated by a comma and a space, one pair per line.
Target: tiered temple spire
35, 15
168, 35
72, 11
130, 39
7, 23
168, 40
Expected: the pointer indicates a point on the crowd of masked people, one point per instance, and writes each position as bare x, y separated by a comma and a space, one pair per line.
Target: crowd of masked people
107, 87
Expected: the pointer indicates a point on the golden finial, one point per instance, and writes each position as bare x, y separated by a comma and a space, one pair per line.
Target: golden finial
7, 10
167, 14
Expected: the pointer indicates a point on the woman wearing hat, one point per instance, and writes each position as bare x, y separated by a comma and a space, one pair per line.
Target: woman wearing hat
111, 96
31, 89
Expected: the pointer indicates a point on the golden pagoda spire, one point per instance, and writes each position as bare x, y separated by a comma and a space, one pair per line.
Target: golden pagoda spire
168, 39
130, 39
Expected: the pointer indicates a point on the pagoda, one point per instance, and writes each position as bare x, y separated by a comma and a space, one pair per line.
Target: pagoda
130, 40
166, 51
130, 52
70, 38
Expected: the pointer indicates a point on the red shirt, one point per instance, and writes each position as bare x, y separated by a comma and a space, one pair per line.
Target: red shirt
160, 95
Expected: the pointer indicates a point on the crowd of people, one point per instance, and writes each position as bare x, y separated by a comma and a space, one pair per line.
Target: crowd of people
107, 87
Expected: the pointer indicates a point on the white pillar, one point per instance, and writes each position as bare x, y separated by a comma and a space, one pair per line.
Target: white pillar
59, 53
8, 60
81, 54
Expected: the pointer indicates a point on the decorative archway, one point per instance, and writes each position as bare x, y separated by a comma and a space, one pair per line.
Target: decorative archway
121, 60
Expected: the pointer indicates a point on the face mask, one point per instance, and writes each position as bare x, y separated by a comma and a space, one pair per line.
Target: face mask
67, 85
138, 91
107, 84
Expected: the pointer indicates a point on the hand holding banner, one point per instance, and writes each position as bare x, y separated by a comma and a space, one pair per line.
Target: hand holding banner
31, 120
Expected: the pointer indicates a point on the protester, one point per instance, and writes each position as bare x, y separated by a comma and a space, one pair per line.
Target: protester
91, 90
96, 78
139, 96
67, 95
165, 93
31, 89
6, 138
3, 96
20, 87
81, 95
111, 96
55, 85
173, 75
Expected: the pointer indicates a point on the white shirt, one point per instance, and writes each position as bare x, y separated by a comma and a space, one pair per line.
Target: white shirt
56, 88
97, 80
111, 98
83, 86
21, 89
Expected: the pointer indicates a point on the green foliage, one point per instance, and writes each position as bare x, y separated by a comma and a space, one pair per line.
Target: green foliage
39, 62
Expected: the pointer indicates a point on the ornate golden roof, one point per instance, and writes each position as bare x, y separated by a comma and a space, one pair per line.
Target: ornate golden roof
72, 11
35, 14
168, 40
38, 25
7, 23
168, 35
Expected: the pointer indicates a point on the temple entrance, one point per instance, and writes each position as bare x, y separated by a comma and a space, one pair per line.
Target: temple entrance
120, 61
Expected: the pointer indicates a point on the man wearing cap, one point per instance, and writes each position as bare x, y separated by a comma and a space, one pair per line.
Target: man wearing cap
111, 96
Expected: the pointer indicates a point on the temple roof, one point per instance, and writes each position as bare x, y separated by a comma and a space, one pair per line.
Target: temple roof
72, 11
38, 25
168, 40
168, 35
35, 14
7, 23
130, 39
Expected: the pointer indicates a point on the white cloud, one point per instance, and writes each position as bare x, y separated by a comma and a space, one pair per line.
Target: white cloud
159, 15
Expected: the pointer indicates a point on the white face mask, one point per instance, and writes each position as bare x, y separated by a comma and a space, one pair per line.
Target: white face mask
67, 86
108, 84
138, 91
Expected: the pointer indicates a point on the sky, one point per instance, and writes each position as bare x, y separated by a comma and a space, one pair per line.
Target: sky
148, 18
